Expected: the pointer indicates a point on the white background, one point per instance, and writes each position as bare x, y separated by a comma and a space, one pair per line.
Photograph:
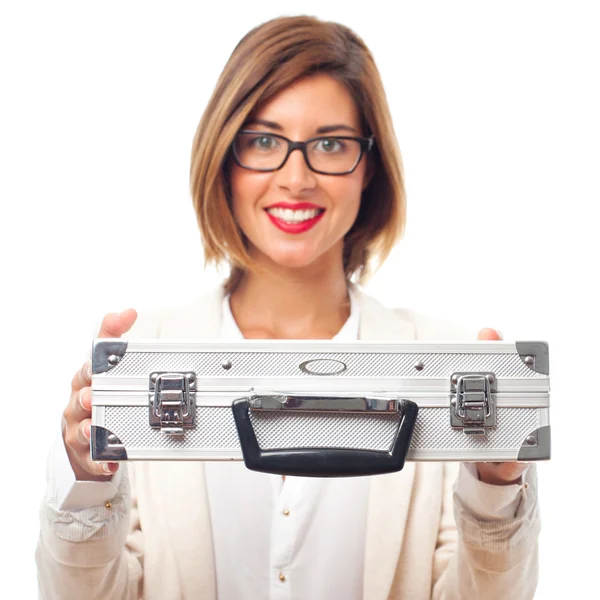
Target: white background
496, 109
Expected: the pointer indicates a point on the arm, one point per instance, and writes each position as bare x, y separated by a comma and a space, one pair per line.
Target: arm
497, 521
488, 540
96, 552
477, 558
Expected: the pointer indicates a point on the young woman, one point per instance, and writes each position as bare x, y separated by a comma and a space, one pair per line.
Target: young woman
297, 184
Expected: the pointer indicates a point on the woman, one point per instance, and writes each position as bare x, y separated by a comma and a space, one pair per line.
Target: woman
297, 184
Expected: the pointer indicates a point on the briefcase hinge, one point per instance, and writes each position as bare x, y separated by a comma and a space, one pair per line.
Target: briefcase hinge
473, 402
172, 401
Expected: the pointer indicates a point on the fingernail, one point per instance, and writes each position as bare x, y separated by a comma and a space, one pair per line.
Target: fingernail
81, 400
86, 431
88, 369
106, 467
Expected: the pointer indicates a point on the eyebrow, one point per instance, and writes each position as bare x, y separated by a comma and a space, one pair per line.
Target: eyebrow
320, 130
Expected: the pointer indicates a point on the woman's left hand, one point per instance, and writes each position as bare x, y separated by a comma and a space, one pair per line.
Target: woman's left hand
498, 473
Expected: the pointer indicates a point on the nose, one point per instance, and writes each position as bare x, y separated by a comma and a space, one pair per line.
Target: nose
295, 176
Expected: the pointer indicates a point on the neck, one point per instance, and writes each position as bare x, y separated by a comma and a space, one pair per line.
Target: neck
301, 303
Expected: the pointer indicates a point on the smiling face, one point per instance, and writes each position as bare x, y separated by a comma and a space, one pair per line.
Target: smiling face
294, 217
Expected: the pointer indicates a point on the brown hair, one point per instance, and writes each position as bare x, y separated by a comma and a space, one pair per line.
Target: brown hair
266, 60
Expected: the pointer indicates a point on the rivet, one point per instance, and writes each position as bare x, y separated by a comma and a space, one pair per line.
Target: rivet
530, 439
419, 365
112, 439
113, 359
454, 379
490, 378
529, 360
226, 364
153, 377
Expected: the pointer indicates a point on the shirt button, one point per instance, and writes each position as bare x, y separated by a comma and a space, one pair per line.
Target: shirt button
108, 505
525, 485
281, 577
286, 512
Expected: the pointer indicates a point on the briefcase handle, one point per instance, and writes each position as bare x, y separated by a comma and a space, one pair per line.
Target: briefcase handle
324, 462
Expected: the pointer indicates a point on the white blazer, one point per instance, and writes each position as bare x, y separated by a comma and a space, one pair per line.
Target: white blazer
154, 541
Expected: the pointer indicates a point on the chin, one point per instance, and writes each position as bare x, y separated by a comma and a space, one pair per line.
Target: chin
297, 254
294, 259
293, 262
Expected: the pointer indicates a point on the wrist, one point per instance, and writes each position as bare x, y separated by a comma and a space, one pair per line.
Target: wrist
500, 473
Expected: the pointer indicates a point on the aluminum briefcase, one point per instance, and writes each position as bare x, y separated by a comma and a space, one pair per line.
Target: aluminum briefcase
318, 407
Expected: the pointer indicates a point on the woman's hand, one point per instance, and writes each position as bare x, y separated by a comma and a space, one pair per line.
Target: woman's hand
76, 433
498, 473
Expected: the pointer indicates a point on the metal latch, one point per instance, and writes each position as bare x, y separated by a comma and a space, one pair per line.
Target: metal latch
472, 402
172, 397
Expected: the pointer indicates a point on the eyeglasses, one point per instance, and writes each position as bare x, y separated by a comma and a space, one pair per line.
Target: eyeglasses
328, 155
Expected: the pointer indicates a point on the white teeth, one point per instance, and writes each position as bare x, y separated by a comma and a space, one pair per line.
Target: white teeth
294, 216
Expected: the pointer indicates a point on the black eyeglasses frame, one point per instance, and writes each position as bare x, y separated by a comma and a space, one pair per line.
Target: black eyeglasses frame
366, 145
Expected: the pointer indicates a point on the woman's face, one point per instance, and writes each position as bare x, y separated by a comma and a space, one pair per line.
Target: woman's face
324, 206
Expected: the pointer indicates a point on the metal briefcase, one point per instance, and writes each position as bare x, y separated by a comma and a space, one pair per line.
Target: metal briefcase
320, 408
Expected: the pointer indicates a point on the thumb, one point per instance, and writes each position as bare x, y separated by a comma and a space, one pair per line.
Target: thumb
489, 334
114, 325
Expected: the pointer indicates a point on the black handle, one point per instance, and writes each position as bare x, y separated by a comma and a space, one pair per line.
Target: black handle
324, 462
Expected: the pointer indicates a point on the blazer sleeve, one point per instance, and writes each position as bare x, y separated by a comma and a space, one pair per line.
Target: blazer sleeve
494, 560
95, 553
476, 558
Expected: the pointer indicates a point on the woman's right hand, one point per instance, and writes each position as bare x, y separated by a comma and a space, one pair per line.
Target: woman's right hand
76, 433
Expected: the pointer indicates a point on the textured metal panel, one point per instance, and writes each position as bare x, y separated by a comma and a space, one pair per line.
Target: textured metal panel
215, 430
432, 430
287, 364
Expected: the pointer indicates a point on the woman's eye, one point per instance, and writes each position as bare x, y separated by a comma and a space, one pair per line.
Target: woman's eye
329, 145
263, 142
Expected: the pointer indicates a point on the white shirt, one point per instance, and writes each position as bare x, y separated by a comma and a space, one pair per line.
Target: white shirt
316, 526
293, 540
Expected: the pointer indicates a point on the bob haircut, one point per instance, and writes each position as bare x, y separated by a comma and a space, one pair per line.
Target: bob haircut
266, 60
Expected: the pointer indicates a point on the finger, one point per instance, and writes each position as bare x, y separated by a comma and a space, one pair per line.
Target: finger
114, 325
83, 439
106, 469
489, 334
83, 377
80, 406
77, 440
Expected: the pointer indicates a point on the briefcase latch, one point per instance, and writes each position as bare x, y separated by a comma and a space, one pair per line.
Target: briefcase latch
172, 398
473, 402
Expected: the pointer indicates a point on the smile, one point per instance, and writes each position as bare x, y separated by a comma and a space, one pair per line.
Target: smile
294, 216
294, 220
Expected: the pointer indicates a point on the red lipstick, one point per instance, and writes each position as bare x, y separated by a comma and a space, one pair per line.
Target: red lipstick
295, 227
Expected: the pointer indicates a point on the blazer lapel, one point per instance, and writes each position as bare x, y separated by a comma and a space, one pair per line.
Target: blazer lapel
389, 495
